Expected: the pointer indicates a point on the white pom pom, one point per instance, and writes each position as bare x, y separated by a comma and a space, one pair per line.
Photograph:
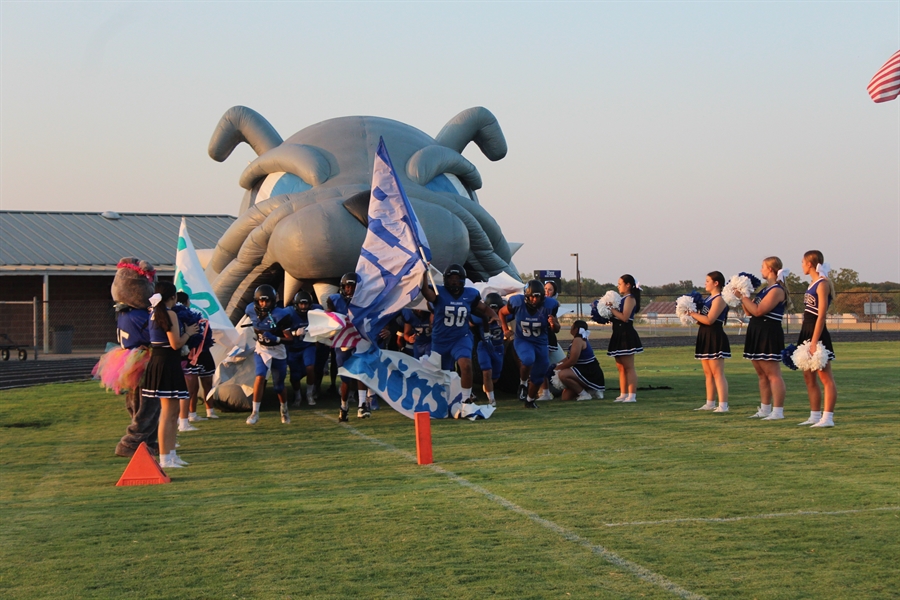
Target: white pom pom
610, 297
683, 306
737, 287
555, 382
806, 362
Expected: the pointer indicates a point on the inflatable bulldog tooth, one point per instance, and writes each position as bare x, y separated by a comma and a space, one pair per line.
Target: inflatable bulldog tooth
304, 214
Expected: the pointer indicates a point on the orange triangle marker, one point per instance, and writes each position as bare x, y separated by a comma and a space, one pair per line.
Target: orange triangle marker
143, 469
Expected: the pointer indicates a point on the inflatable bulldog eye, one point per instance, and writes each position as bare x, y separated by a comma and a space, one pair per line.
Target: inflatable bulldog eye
305, 211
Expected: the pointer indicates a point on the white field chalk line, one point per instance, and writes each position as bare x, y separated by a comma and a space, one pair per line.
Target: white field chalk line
799, 513
610, 557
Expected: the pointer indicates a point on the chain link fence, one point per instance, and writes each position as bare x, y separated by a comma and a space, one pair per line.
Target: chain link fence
846, 313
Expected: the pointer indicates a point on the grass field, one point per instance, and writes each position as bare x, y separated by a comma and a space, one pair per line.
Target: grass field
575, 500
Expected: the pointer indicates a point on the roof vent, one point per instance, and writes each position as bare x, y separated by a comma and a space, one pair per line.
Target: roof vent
111, 215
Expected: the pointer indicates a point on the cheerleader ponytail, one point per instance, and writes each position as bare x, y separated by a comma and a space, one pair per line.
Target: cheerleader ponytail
774, 263
166, 291
635, 290
817, 260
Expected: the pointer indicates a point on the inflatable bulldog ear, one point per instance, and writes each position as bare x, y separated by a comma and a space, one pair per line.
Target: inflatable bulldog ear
134, 282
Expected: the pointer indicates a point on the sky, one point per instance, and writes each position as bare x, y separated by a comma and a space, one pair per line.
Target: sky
661, 139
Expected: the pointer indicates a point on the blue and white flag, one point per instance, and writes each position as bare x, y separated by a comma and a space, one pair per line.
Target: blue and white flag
390, 266
410, 386
191, 279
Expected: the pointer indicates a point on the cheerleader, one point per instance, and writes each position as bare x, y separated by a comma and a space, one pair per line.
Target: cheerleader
765, 338
624, 342
817, 298
164, 378
580, 372
712, 344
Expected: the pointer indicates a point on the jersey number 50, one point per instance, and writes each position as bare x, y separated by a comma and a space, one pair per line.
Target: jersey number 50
455, 316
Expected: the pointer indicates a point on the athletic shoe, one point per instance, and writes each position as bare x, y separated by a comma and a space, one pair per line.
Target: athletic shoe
707, 407
721, 409
809, 421
343, 416
620, 399
546, 395
363, 412
196, 418
493, 403
823, 423
177, 460
772, 417
311, 399
598, 395
470, 399
285, 417
166, 463
530, 404
187, 427
212, 416
253, 418
523, 392
629, 400
584, 395
759, 414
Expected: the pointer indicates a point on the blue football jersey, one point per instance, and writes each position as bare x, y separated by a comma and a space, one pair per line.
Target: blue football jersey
532, 326
451, 315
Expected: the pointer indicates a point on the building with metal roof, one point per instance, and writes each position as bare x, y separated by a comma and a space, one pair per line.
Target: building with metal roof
56, 268
82, 242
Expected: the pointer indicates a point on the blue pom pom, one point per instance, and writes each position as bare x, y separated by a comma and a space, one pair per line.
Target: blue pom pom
697, 298
787, 357
756, 281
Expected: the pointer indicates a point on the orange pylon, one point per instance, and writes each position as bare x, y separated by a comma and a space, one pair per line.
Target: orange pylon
143, 469
423, 438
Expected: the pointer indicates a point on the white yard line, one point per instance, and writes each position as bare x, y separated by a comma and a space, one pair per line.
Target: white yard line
611, 557
799, 513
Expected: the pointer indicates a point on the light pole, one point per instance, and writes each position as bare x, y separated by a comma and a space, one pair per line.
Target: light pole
578, 281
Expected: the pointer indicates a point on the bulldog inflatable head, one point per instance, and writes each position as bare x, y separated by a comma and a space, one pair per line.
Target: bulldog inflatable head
304, 213
134, 282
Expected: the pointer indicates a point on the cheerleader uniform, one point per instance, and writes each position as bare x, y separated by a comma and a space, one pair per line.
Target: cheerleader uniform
765, 337
624, 340
588, 370
712, 343
811, 315
163, 377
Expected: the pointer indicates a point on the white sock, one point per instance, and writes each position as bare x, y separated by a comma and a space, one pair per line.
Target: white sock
310, 391
183, 422
710, 403
828, 417
467, 392
210, 412
523, 382
192, 415
815, 415
490, 395
632, 396
344, 405
256, 406
362, 398
724, 406
530, 399
778, 411
766, 409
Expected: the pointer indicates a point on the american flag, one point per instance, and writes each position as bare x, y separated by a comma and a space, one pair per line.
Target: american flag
886, 83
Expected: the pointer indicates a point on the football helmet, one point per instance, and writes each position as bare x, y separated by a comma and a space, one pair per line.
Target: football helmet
494, 300
534, 294
302, 298
348, 285
455, 279
265, 293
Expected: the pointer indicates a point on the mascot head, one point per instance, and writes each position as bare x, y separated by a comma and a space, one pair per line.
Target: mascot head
134, 282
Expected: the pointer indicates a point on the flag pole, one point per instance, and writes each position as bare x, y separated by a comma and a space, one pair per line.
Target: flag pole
427, 268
